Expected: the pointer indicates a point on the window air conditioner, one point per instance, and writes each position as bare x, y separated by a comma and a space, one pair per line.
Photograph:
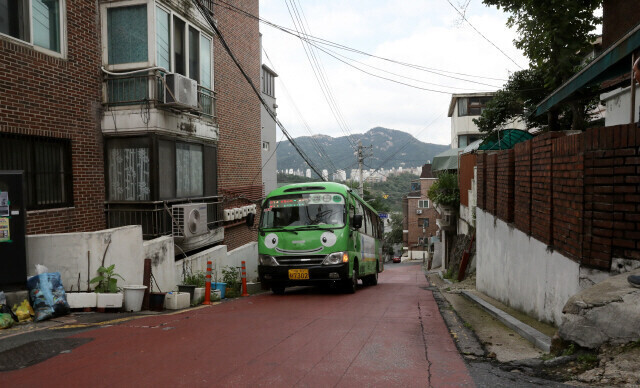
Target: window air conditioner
419, 211
189, 220
181, 91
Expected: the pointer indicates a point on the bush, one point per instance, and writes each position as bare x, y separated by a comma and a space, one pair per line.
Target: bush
231, 276
445, 190
197, 279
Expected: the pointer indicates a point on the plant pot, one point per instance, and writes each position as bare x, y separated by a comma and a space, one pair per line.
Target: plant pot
133, 296
190, 288
156, 301
219, 286
109, 300
81, 300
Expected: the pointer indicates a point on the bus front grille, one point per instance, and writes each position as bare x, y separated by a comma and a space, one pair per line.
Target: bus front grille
300, 260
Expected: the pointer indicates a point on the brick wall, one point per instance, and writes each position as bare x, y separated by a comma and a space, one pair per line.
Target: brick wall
504, 185
490, 183
467, 163
239, 157
60, 97
568, 194
619, 17
522, 181
582, 192
481, 184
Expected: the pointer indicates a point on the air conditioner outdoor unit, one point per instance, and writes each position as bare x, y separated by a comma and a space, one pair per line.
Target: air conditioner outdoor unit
181, 91
419, 211
190, 220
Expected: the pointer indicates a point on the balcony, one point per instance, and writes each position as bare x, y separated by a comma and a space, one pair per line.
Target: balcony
156, 217
148, 90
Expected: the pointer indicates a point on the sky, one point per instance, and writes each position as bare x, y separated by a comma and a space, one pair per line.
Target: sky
428, 33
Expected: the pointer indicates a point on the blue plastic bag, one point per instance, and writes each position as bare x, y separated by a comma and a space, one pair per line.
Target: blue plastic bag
47, 296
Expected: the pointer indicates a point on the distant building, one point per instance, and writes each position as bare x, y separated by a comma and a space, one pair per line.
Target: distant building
419, 215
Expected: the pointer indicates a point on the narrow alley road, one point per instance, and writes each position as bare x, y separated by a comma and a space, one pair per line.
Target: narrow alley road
387, 335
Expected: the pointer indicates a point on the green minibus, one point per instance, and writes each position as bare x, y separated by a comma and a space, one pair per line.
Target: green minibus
318, 234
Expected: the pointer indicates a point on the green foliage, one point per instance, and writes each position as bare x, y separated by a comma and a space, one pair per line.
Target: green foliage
107, 280
231, 276
468, 326
555, 36
197, 279
448, 275
588, 358
445, 190
571, 349
395, 236
547, 356
394, 188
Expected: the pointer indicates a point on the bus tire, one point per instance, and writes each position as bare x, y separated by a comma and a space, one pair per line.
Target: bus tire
352, 284
278, 290
373, 279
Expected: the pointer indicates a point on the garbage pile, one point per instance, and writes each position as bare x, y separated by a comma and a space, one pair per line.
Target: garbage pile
47, 299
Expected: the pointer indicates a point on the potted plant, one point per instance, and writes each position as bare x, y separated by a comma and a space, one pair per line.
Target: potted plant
197, 280
187, 279
107, 291
215, 285
231, 276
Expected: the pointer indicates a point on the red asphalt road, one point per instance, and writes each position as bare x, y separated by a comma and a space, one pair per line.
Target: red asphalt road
391, 334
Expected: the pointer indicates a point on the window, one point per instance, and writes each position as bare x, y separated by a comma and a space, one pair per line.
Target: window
415, 186
465, 140
265, 146
423, 222
47, 168
127, 34
268, 81
179, 56
189, 178
472, 106
424, 204
163, 39
194, 54
129, 170
44, 17
205, 62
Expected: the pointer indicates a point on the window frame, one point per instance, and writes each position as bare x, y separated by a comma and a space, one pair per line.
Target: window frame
31, 175
62, 33
466, 101
421, 203
151, 38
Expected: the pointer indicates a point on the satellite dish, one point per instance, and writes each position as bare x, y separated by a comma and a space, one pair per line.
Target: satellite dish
194, 218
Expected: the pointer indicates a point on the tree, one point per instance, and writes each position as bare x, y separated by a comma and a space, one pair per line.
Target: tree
554, 35
395, 236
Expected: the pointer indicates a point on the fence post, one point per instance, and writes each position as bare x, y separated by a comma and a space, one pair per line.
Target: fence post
207, 285
244, 279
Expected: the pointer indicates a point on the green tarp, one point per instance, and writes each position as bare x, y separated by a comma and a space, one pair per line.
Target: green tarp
504, 140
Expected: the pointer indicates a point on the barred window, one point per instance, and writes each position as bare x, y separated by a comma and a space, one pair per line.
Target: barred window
46, 163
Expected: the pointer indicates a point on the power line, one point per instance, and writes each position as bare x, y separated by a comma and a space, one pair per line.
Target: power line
480, 33
205, 14
317, 40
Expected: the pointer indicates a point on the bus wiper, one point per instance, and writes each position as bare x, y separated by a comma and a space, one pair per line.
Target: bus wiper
279, 230
312, 227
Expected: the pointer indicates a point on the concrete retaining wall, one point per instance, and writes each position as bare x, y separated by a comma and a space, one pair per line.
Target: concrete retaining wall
519, 271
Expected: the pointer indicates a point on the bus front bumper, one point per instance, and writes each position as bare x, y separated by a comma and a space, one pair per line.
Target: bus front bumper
318, 274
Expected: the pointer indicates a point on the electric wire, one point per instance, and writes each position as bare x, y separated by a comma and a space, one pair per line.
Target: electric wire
205, 13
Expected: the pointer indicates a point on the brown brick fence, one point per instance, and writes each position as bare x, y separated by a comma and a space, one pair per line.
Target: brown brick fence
579, 194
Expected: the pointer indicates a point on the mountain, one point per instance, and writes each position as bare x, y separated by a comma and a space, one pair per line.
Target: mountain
391, 148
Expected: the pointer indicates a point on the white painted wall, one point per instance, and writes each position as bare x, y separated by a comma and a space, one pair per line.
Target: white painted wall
161, 251
519, 271
74, 254
618, 103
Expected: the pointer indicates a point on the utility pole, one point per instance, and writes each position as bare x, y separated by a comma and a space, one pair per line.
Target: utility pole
361, 156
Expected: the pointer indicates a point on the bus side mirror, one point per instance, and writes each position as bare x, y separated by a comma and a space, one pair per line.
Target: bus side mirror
250, 219
356, 221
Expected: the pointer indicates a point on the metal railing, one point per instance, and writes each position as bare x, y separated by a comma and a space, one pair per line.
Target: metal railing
208, 5
142, 89
155, 217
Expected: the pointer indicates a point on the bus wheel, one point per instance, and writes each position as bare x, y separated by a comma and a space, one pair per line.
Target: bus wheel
352, 283
278, 290
373, 279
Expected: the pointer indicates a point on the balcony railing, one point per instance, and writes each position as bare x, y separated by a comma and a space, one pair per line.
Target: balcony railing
208, 4
142, 89
155, 217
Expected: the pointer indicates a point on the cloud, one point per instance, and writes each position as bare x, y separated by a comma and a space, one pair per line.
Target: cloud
428, 33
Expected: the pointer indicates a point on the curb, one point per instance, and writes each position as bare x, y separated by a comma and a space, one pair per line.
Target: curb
538, 339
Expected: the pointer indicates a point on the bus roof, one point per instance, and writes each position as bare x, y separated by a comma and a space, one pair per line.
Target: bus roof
314, 187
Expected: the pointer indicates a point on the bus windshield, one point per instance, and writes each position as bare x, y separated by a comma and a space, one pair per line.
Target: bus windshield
304, 209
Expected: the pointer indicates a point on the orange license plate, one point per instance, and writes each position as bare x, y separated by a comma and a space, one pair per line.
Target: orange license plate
298, 274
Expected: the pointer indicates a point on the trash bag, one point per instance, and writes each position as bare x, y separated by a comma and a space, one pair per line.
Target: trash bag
24, 312
5, 321
47, 296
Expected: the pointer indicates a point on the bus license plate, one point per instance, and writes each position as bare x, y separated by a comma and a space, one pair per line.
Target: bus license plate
297, 274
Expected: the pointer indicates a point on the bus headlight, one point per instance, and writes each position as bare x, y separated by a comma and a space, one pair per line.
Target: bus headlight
268, 260
336, 258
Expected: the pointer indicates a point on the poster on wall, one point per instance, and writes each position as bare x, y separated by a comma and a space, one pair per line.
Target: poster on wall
5, 236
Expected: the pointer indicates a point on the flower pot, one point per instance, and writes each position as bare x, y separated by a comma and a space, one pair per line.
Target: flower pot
190, 288
177, 300
156, 301
133, 296
81, 300
109, 300
219, 286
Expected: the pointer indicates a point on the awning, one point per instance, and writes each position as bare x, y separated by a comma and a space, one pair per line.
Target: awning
448, 160
472, 147
504, 139
614, 62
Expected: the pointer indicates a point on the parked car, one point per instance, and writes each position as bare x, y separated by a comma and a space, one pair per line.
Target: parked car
397, 259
